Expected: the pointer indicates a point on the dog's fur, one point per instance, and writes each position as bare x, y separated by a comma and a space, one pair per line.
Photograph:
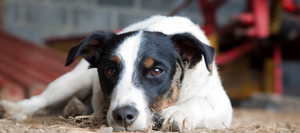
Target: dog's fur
162, 66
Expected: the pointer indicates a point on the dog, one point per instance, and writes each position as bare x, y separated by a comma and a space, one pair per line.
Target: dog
160, 70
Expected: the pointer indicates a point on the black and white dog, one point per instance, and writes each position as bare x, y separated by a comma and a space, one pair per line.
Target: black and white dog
162, 65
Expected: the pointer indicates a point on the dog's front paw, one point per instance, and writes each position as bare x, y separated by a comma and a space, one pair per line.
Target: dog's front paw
176, 119
11, 110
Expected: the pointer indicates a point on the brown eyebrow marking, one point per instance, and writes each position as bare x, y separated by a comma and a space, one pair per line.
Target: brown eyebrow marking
116, 59
149, 63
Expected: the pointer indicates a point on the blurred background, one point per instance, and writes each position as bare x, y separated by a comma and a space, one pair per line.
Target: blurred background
257, 42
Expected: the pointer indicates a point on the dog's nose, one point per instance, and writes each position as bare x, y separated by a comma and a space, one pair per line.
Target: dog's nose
125, 116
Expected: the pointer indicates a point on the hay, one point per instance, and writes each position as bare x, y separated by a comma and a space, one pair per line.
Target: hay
244, 120
85, 121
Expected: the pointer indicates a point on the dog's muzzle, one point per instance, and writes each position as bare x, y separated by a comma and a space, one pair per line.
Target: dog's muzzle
125, 115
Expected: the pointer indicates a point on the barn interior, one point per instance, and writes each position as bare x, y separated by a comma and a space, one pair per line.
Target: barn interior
257, 43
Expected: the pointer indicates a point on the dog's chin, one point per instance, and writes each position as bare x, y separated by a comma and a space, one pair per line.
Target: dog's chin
129, 128
134, 127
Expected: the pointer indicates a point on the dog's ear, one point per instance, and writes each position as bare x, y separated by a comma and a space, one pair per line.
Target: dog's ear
191, 50
90, 48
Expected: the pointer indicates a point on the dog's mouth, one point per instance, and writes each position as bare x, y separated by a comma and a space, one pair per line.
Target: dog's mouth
154, 124
127, 118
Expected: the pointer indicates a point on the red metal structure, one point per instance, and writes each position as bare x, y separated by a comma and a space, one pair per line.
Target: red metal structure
260, 24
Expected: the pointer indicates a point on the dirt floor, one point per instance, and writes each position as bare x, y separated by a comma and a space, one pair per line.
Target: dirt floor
245, 120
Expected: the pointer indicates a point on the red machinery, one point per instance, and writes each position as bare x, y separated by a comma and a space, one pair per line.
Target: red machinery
259, 24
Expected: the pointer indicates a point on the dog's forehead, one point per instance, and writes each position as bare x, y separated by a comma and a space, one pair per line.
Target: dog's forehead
128, 48
140, 45
156, 43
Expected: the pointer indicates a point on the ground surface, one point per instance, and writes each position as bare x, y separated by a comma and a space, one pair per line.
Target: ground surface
244, 120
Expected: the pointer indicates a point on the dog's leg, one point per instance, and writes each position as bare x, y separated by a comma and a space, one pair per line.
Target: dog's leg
211, 111
59, 90
100, 106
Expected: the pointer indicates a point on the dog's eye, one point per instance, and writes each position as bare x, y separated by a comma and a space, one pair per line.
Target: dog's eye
111, 72
156, 71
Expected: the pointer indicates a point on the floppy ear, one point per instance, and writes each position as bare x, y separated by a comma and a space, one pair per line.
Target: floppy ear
90, 48
191, 50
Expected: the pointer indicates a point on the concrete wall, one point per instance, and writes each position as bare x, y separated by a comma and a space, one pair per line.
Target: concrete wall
37, 19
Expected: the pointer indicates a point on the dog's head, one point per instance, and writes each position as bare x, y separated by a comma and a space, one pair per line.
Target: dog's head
140, 72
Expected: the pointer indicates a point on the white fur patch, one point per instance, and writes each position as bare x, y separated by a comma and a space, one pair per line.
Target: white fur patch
125, 93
